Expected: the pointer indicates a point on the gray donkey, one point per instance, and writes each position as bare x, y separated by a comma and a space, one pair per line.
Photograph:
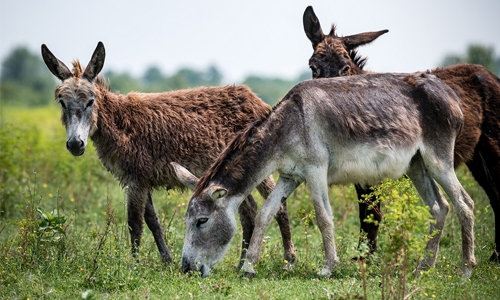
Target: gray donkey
357, 129
138, 134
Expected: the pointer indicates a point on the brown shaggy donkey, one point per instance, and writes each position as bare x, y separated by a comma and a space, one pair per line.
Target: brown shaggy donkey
138, 134
478, 145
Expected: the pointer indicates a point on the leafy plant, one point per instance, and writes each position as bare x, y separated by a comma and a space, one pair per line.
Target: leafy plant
50, 228
403, 234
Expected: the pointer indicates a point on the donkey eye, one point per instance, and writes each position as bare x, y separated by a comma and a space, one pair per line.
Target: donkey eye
90, 103
315, 71
62, 104
201, 221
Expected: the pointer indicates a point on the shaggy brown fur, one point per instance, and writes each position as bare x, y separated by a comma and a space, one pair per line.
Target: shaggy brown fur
137, 135
478, 144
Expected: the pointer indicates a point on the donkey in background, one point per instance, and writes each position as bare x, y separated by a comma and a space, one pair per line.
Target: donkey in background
138, 134
358, 129
478, 145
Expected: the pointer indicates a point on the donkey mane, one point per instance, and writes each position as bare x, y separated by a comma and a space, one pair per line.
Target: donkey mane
238, 143
357, 59
78, 73
77, 69
249, 140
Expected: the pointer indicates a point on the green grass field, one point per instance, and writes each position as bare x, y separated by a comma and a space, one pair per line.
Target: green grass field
63, 235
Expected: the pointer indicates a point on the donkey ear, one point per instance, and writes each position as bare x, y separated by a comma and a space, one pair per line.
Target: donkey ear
96, 63
217, 193
184, 176
312, 27
353, 41
56, 67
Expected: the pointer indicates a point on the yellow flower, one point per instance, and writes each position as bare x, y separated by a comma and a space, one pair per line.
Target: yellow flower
44, 185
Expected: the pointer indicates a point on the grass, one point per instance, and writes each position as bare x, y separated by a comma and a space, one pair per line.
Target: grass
63, 235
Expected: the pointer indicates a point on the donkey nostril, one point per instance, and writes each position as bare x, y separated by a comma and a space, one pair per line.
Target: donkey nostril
344, 71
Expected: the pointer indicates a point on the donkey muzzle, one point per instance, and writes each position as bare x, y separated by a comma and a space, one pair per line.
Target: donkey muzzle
187, 267
76, 146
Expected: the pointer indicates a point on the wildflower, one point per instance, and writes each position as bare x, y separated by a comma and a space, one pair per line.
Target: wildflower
44, 185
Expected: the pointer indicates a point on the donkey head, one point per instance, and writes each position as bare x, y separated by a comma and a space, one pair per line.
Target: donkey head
76, 95
333, 55
210, 224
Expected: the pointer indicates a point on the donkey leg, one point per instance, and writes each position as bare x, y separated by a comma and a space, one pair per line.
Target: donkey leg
283, 220
368, 206
485, 168
283, 189
463, 204
154, 225
136, 204
247, 212
318, 187
439, 207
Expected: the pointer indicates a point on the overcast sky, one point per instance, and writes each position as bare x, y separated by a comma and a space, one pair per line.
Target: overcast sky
262, 37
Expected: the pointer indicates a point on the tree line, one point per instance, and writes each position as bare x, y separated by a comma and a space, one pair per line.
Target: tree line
26, 81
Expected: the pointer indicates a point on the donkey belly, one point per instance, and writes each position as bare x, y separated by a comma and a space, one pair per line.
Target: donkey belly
369, 164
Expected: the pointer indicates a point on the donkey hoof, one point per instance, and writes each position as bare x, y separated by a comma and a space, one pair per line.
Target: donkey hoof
466, 272
166, 259
289, 264
249, 275
325, 272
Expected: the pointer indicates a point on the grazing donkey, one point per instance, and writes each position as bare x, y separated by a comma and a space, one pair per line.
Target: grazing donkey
478, 145
356, 129
137, 135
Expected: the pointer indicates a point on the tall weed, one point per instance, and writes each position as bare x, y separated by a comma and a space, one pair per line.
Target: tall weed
404, 233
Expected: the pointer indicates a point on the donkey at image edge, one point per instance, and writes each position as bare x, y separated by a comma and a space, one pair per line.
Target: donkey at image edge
334, 131
138, 134
478, 89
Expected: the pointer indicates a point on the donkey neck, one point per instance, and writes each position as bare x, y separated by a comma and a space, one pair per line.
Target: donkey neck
108, 107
